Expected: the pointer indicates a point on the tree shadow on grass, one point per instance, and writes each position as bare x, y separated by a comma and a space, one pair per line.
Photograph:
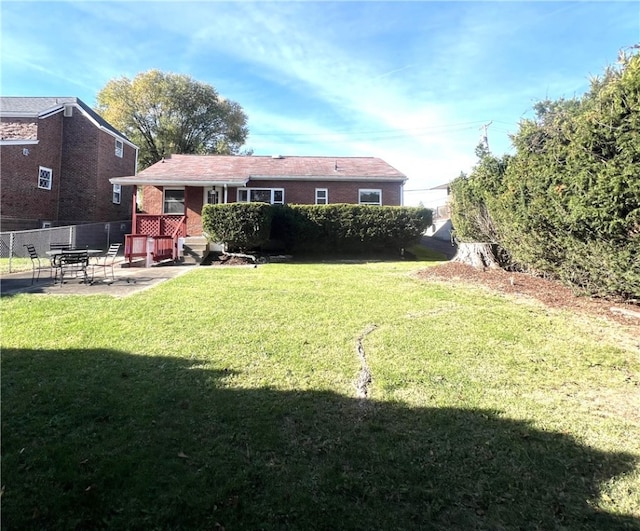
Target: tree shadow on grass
101, 439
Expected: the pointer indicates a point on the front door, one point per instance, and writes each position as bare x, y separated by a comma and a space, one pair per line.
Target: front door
212, 196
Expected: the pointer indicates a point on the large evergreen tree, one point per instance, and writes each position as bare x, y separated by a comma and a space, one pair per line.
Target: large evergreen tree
567, 204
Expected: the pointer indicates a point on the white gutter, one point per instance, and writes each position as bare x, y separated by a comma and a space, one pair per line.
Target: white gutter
343, 178
15, 114
127, 181
18, 142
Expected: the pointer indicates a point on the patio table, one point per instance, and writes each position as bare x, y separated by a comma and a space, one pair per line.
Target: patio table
71, 261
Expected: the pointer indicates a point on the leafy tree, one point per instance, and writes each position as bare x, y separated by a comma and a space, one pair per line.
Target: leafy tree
166, 113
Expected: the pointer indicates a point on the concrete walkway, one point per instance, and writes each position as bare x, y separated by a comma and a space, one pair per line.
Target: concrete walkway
127, 282
442, 246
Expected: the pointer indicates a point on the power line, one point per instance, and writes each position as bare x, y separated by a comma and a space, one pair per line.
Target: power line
426, 130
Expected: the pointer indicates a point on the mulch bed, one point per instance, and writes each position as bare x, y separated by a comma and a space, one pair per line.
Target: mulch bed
550, 292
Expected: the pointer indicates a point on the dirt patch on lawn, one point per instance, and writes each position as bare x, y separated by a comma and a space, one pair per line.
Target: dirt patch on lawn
549, 292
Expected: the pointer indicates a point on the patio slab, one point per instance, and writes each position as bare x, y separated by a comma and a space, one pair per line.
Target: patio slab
128, 280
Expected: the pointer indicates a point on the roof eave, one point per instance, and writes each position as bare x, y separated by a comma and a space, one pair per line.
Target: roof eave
358, 178
18, 142
129, 181
59, 108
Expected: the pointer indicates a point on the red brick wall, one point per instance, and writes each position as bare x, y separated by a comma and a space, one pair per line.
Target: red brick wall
78, 193
22, 203
152, 200
111, 166
303, 192
82, 158
89, 161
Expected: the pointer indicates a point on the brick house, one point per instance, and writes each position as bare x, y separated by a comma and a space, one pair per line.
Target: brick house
56, 158
172, 192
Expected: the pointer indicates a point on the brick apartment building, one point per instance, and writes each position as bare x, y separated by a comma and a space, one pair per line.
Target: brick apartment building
56, 158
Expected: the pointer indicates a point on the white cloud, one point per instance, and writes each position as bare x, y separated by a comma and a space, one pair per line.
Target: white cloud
410, 82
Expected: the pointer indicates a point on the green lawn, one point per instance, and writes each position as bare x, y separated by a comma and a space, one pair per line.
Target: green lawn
226, 399
15, 265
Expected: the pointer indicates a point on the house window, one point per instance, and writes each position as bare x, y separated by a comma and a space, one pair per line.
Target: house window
45, 177
117, 194
322, 196
119, 148
274, 196
173, 201
370, 197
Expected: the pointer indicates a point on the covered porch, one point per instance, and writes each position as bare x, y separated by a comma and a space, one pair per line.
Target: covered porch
168, 224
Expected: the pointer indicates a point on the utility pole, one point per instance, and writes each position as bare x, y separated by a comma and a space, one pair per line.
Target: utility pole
485, 135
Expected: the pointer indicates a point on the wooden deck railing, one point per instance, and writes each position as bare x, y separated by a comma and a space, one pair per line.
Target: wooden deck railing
135, 246
164, 230
163, 248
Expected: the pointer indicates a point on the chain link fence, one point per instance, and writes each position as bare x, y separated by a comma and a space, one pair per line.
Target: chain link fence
87, 236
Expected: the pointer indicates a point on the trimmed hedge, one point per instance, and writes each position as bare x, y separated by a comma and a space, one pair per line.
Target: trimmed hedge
338, 228
239, 226
346, 228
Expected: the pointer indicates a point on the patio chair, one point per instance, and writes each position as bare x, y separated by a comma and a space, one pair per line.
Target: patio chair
107, 261
36, 264
72, 263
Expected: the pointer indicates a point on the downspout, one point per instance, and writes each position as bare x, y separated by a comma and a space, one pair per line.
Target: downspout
60, 160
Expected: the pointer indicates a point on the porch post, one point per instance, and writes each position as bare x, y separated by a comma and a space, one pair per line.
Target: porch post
186, 209
134, 224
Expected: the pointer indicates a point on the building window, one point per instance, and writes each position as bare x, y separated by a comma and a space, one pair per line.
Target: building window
322, 196
274, 196
173, 201
370, 197
45, 177
119, 148
46, 225
117, 194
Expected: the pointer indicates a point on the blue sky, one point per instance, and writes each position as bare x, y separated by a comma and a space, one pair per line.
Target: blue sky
410, 82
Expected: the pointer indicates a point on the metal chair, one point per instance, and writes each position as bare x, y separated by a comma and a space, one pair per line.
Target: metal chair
36, 265
72, 263
107, 261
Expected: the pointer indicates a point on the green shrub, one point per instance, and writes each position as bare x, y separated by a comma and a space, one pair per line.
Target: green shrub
336, 228
239, 226
349, 228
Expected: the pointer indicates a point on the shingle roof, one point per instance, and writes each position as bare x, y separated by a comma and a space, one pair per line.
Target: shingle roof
32, 105
230, 169
37, 106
